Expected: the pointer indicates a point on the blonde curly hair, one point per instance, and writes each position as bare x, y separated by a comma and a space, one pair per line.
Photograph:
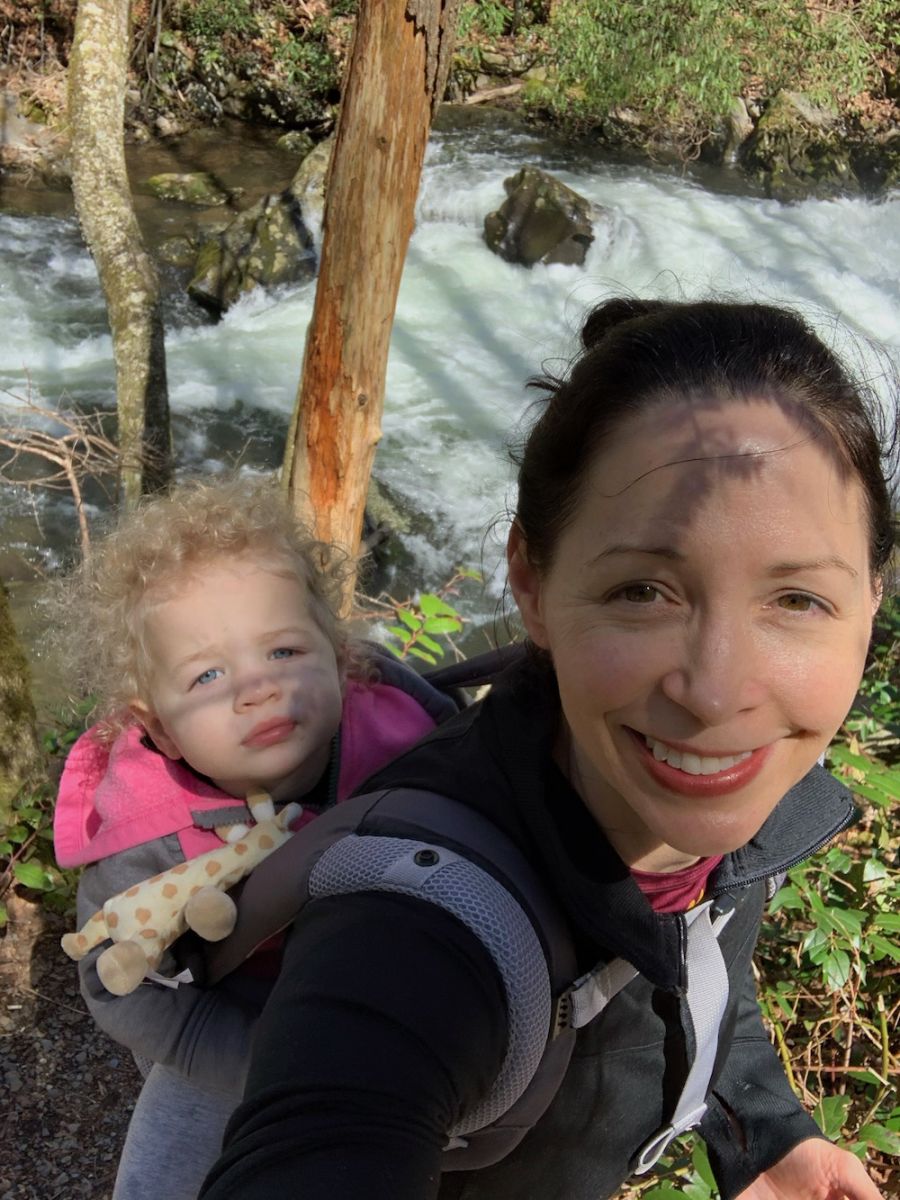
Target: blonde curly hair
100, 608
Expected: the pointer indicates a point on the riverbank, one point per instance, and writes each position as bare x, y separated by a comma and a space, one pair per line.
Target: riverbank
780, 132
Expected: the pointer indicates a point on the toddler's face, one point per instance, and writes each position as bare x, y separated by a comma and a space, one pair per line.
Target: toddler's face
245, 686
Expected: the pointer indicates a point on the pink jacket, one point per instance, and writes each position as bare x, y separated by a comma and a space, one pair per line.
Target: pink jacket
115, 797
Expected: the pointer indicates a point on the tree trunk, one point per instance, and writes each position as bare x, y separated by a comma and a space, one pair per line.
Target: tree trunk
97, 78
18, 740
395, 79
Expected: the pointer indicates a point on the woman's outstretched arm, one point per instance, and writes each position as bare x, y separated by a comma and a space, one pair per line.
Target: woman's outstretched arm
388, 1022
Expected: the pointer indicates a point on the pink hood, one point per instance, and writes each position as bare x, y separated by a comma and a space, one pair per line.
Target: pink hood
112, 798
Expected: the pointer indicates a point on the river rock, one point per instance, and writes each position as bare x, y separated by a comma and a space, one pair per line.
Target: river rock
265, 245
194, 187
298, 142
541, 220
798, 149
308, 185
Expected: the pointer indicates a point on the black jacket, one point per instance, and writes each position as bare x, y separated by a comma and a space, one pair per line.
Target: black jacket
356, 1105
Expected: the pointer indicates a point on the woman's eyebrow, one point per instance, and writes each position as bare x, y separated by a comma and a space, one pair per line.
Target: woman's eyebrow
815, 564
634, 548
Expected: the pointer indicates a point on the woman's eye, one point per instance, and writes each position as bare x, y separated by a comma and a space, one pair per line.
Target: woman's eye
797, 602
209, 675
283, 652
638, 593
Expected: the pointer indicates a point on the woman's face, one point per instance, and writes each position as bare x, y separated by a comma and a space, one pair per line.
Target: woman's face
708, 613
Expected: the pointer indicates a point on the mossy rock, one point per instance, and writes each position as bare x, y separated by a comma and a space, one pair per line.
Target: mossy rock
541, 220
266, 245
298, 142
800, 150
179, 251
194, 187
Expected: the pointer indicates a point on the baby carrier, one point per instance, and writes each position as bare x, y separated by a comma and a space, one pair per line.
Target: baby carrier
428, 846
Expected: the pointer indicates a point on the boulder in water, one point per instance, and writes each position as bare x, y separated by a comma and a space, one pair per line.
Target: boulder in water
798, 149
265, 245
308, 185
541, 220
193, 187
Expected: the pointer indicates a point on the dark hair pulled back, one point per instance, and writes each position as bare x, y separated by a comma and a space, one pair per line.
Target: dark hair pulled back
639, 353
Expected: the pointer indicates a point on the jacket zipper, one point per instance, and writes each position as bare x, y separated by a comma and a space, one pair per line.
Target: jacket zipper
792, 862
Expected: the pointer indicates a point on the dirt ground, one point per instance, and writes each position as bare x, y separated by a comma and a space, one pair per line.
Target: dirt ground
66, 1090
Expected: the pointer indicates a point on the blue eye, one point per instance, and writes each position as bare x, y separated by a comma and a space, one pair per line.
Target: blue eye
283, 652
209, 675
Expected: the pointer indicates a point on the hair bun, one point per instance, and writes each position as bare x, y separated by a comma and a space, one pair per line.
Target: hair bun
610, 313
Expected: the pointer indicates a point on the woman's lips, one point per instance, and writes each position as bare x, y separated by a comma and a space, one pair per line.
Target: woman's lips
269, 733
716, 783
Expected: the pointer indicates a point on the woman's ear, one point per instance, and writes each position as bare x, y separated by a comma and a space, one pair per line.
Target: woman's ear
526, 586
154, 727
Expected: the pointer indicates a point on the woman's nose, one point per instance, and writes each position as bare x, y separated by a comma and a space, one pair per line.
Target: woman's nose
719, 673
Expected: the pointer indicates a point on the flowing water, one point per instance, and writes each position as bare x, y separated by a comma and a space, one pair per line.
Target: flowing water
469, 329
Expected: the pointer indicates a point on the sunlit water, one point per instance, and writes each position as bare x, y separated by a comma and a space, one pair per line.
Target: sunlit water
469, 329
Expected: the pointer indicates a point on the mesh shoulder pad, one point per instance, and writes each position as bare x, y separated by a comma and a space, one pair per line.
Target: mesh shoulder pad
469, 893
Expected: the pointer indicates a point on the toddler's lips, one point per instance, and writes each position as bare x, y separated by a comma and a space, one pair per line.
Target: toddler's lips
269, 733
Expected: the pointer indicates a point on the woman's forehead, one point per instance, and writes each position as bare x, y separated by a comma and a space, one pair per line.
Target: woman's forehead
730, 437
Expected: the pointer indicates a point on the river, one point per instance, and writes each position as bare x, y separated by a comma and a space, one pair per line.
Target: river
469, 328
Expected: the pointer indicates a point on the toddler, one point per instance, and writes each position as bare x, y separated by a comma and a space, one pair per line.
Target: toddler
206, 626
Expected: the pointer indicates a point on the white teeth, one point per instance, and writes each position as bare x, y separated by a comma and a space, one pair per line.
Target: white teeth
692, 764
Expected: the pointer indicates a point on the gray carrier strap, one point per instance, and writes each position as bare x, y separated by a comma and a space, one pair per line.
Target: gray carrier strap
430, 872
707, 996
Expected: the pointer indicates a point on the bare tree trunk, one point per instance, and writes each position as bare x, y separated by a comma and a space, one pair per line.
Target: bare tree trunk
97, 78
18, 739
396, 77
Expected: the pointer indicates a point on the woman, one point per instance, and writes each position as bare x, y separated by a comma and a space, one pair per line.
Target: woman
697, 557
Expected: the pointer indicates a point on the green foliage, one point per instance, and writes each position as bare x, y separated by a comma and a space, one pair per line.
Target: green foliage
26, 832
307, 63
682, 62
420, 622
484, 18
210, 20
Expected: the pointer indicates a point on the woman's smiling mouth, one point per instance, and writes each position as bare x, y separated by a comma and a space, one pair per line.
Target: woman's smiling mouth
692, 774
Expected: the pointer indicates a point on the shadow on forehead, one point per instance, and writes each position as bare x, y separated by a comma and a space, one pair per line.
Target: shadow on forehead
716, 452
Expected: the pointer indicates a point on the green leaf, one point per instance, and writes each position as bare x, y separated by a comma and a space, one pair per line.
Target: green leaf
429, 658
873, 870
434, 606
830, 1114
880, 1138
5, 849
889, 921
399, 632
17, 834
4, 915
837, 969
665, 1191
441, 625
32, 875
885, 948
409, 619
430, 644
700, 1161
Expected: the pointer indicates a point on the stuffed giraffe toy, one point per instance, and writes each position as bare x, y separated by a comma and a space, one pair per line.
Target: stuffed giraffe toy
146, 919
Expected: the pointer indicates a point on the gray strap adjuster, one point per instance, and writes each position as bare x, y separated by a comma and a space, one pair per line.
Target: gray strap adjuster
707, 997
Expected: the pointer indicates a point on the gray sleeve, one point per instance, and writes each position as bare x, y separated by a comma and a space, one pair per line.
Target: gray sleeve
204, 1034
